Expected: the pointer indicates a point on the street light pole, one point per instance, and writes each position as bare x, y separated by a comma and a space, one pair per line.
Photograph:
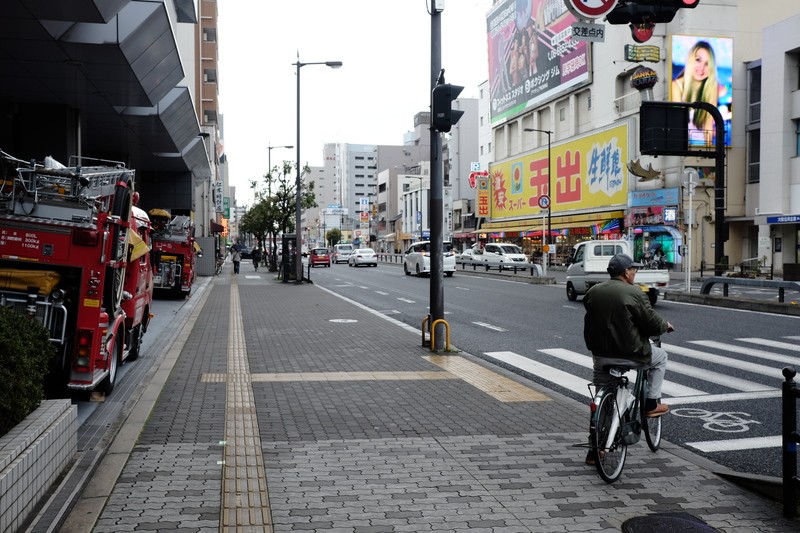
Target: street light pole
269, 168
273, 247
546, 240
298, 244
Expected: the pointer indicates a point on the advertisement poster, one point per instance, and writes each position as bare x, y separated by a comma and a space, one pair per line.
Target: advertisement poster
532, 56
702, 71
588, 172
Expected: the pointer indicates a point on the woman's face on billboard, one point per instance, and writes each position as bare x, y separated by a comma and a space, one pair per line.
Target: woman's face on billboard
700, 64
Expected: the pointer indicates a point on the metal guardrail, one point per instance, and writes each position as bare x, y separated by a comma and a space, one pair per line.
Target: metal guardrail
790, 438
749, 282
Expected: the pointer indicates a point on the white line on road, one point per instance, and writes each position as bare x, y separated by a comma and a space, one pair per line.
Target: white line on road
490, 326
769, 356
382, 293
731, 397
721, 360
773, 344
736, 444
406, 300
669, 388
559, 377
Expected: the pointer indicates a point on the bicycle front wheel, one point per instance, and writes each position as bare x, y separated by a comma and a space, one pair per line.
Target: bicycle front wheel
652, 430
609, 448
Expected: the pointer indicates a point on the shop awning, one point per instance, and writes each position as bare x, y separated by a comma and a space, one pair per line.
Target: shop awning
556, 222
387, 237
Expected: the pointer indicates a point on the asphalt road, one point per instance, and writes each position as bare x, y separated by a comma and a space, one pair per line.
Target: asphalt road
723, 381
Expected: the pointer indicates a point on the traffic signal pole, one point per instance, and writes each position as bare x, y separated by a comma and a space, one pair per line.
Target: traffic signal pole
435, 198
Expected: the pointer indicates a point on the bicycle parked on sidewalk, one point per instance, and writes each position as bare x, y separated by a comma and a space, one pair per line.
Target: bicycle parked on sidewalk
618, 419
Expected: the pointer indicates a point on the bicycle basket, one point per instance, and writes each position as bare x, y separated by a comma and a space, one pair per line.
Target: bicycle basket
631, 432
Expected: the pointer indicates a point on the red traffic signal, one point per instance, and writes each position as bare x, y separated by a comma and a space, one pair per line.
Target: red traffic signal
444, 116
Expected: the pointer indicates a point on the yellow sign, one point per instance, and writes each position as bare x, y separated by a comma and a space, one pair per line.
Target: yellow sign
587, 173
91, 302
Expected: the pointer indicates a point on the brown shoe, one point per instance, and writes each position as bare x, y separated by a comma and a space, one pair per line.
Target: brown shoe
590, 458
660, 409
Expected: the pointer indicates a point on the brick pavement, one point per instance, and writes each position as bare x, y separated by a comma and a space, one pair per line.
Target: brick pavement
360, 432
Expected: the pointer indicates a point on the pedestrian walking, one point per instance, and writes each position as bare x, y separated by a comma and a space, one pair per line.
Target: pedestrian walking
256, 258
236, 258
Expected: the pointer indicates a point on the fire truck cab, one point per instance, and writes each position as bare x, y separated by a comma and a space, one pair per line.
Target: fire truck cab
67, 236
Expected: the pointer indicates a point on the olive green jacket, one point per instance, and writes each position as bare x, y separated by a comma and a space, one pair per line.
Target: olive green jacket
619, 321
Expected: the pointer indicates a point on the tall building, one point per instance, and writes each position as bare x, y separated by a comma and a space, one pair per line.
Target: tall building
102, 89
571, 134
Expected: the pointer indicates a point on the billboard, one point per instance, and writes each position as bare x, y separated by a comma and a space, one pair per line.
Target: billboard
588, 172
532, 56
701, 70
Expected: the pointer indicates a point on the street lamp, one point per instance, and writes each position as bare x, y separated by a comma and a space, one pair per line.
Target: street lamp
546, 240
269, 163
274, 244
297, 208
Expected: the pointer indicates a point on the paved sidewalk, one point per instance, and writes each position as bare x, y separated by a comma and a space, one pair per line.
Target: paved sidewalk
287, 408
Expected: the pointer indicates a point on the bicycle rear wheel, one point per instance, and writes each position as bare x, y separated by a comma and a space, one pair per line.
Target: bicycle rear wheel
609, 450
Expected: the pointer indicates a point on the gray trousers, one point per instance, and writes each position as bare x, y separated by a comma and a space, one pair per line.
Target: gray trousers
655, 371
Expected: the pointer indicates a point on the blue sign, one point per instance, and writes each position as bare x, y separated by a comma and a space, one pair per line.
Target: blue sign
426, 234
653, 198
784, 219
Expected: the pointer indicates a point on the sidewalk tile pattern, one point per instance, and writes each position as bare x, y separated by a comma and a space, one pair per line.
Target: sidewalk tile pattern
386, 455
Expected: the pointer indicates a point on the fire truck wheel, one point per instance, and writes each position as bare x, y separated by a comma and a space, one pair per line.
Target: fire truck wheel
136, 342
107, 386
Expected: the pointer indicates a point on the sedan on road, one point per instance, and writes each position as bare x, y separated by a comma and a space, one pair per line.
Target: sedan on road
469, 256
362, 256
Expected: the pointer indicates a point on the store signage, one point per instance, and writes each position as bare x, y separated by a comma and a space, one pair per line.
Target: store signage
637, 54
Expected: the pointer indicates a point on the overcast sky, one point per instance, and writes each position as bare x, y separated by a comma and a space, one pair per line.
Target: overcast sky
372, 99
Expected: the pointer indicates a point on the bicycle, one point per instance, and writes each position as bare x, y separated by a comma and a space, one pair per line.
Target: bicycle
618, 419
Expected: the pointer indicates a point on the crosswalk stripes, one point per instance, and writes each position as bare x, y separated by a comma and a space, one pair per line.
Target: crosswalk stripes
677, 394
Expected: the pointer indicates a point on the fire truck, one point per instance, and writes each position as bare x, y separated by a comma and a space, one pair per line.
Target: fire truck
174, 252
74, 255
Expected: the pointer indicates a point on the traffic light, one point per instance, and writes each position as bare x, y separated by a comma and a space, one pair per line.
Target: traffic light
647, 11
444, 116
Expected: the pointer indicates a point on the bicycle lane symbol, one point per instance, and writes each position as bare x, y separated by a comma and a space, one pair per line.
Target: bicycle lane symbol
721, 422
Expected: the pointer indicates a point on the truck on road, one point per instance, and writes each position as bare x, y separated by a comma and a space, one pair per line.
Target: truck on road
74, 255
174, 252
589, 261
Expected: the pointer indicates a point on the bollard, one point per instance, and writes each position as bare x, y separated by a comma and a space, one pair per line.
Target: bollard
789, 395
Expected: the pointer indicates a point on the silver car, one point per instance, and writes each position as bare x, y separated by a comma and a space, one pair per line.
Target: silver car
362, 256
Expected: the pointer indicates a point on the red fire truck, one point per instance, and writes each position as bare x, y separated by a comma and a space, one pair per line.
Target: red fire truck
174, 252
67, 236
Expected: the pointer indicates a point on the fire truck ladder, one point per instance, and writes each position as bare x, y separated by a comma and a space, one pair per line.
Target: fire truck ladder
74, 194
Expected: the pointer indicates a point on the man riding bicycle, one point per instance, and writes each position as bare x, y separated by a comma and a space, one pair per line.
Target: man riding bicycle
617, 327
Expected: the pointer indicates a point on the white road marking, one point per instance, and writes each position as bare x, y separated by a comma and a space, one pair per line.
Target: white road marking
559, 377
773, 344
731, 397
406, 300
382, 293
769, 356
736, 444
669, 388
728, 361
463, 288
490, 326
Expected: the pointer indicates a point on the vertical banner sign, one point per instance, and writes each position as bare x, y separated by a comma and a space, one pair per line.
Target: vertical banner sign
218, 196
226, 206
484, 197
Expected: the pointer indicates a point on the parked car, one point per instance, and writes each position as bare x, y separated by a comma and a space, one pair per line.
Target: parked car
362, 256
246, 251
470, 256
341, 252
320, 256
504, 255
417, 259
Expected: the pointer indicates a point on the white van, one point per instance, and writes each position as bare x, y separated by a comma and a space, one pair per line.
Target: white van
504, 255
341, 252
